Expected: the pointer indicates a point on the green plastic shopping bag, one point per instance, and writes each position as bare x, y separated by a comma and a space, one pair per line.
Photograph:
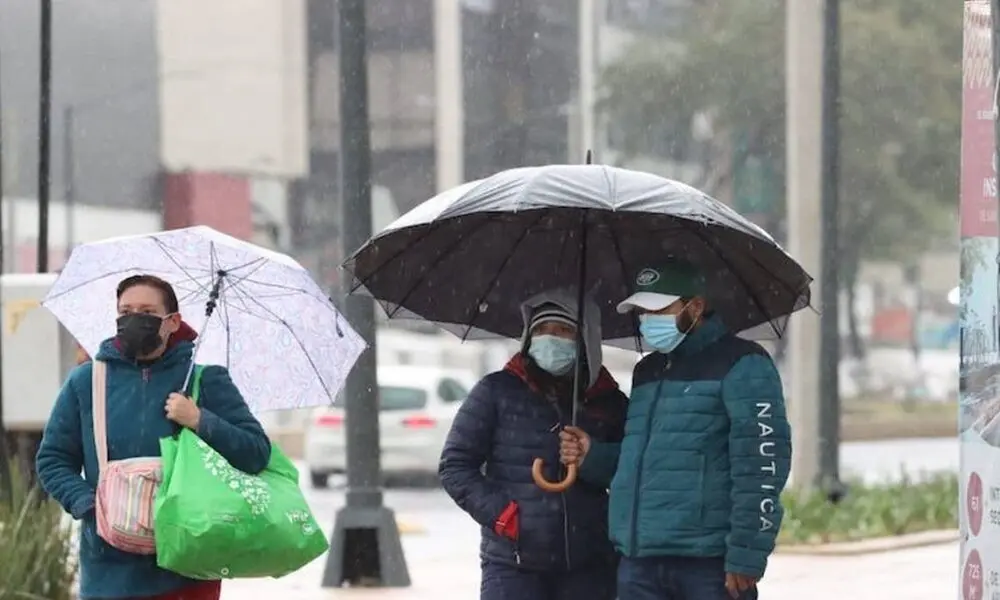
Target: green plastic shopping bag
213, 521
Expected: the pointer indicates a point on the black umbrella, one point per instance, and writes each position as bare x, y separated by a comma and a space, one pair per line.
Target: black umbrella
467, 258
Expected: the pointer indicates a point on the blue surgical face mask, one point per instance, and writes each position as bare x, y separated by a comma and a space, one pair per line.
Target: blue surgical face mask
553, 354
661, 332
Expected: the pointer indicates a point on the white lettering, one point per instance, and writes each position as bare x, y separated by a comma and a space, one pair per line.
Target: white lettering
766, 449
989, 187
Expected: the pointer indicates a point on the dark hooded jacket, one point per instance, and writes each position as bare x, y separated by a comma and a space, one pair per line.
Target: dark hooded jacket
510, 418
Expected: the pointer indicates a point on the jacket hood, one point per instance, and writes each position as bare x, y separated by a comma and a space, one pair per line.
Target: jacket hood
567, 300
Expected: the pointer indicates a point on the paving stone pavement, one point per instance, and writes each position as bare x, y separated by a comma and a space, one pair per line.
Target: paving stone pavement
929, 573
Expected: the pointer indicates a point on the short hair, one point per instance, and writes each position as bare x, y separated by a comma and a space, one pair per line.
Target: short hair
166, 290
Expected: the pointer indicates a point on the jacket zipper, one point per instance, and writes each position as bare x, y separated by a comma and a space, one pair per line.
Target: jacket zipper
638, 473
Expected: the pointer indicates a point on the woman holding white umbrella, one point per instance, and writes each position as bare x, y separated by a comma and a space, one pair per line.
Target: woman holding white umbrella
107, 422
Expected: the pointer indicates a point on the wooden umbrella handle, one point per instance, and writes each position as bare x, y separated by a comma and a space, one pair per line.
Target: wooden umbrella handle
549, 486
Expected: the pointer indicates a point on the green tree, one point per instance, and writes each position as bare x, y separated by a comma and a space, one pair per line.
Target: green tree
900, 110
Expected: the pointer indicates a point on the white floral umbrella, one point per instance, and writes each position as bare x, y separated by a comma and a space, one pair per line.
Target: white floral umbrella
270, 324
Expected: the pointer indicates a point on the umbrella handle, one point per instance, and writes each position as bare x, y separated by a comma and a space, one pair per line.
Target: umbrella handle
549, 486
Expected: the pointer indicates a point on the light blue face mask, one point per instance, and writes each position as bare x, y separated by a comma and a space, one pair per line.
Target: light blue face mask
661, 332
553, 354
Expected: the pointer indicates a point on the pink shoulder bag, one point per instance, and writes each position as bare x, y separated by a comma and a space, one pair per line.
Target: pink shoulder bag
126, 489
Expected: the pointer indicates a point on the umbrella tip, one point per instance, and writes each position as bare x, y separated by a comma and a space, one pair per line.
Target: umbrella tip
590, 157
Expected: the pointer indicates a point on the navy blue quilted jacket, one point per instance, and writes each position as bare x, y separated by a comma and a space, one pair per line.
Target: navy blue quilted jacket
498, 432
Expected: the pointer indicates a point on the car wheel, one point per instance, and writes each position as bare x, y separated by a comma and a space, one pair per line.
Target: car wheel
320, 481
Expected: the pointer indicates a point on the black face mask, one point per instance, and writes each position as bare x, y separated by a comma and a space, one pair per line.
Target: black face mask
139, 334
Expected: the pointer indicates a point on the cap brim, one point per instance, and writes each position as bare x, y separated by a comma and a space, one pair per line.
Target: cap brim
646, 301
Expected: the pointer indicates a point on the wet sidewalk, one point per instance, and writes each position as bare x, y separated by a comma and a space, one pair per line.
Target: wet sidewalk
929, 573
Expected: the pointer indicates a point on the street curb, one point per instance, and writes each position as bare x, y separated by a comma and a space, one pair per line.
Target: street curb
873, 546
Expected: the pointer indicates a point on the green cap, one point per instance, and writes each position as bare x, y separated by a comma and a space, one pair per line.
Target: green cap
658, 287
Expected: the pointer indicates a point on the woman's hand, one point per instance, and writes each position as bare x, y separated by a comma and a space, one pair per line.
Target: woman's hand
574, 444
183, 411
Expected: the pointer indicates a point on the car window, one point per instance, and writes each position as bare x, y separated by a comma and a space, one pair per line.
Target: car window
452, 391
401, 398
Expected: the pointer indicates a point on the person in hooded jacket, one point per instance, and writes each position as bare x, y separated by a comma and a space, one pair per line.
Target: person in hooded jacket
147, 362
537, 545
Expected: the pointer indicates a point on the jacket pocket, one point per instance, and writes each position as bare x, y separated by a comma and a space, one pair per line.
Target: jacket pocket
673, 496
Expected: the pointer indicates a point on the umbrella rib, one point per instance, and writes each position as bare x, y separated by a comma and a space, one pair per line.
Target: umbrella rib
171, 258
439, 220
188, 294
77, 286
625, 277
260, 260
242, 296
440, 258
729, 265
270, 284
298, 341
787, 286
363, 282
612, 190
510, 255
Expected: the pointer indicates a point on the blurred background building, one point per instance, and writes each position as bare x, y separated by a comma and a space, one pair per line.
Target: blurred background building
169, 113
172, 113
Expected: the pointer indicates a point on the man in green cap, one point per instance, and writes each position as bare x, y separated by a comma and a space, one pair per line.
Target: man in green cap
696, 482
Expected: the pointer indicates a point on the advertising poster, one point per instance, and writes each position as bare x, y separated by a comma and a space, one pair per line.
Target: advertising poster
979, 373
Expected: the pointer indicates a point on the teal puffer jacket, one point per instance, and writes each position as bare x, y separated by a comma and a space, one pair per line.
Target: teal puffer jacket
705, 455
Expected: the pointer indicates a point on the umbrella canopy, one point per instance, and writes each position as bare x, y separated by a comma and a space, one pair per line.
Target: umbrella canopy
269, 323
467, 258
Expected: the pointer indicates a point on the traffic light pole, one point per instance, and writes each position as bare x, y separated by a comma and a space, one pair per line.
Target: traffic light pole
365, 550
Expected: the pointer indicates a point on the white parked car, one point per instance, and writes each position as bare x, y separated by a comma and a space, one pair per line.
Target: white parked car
416, 408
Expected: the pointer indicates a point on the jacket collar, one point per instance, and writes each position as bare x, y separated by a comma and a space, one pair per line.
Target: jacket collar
707, 333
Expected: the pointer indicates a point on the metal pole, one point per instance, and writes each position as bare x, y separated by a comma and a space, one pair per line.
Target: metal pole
69, 176
804, 91
829, 353
365, 549
5, 481
44, 133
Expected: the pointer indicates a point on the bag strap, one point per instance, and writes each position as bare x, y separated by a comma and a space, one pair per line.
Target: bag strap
196, 383
195, 392
99, 391
98, 403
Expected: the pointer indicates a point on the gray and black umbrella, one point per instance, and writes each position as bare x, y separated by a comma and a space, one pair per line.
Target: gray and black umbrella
467, 258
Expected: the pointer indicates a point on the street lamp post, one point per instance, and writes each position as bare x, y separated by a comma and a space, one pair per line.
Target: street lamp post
69, 176
5, 481
44, 133
365, 549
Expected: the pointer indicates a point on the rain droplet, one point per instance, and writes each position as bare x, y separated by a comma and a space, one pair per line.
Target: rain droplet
483, 307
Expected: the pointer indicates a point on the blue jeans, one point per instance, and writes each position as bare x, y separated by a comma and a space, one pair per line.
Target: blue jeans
675, 578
